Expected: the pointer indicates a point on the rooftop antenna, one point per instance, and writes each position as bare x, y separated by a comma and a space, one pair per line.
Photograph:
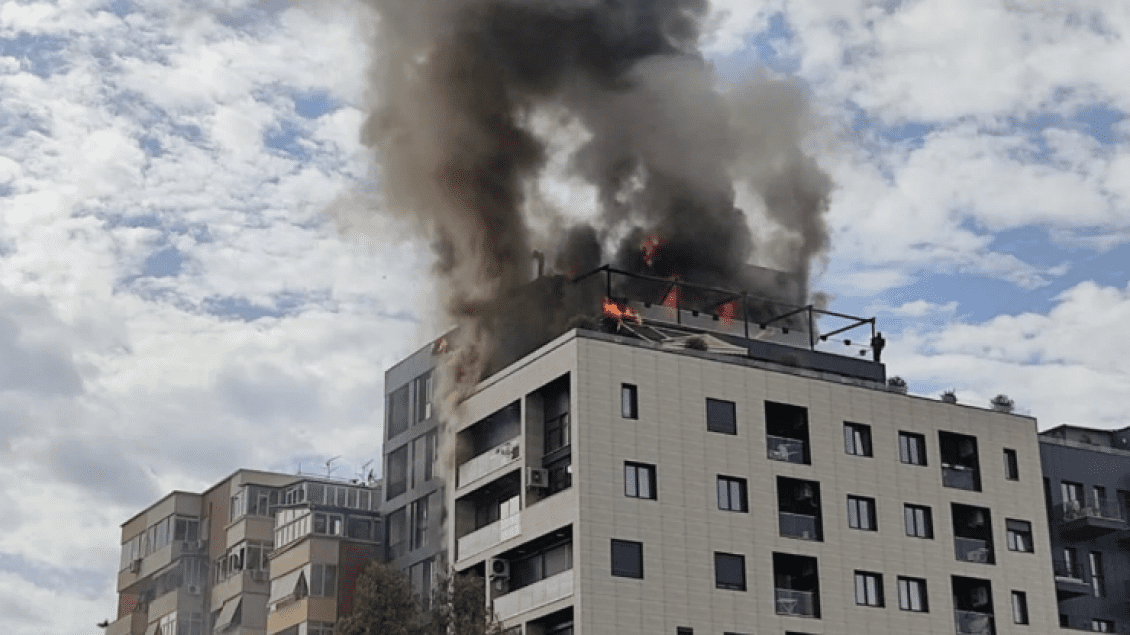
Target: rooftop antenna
361, 473
329, 469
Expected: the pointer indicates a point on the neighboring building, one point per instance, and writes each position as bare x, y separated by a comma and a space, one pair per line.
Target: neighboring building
201, 563
679, 477
414, 493
1087, 485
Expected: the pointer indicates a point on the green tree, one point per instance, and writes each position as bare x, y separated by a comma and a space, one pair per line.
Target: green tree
385, 605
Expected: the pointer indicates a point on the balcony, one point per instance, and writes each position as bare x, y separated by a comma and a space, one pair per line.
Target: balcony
973, 550
486, 537
1069, 582
132, 624
1086, 522
785, 449
961, 477
799, 526
973, 623
488, 462
536, 595
793, 602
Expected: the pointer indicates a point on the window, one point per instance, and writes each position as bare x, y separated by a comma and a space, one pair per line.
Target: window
397, 528
861, 513
1019, 607
912, 448
328, 524
1019, 535
422, 395
857, 439
323, 580
547, 562
629, 403
627, 559
721, 416
729, 571
639, 480
1102, 626
961, 469
912, 595
397, 472
186, 529
557, 433
397, 411
1098, 583
732, 494
868, 588
919, 523
1011, 466
319, 628
683, 630
419, 517
1071, 492
361, 528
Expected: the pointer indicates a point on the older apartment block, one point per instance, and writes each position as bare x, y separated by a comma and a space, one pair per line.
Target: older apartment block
673, 476
259, 553
1087, 485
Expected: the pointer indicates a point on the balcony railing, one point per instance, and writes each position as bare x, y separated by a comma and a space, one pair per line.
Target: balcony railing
489, 461
960, 477
785, 449
799, 526
536, 595
973, 623
486, 537
1074, 510
1067, 570
973, 550
793, 602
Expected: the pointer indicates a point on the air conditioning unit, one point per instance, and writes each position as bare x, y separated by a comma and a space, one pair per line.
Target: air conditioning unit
499, 569
537, 477
135, 566
193, 589
259, 576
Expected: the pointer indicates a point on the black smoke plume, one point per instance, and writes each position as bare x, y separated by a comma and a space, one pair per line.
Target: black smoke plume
456, 86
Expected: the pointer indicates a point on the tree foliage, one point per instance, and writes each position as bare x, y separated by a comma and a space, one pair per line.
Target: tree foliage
385, 605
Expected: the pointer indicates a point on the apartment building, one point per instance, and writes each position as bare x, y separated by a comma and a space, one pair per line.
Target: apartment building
257, 553
688, 472
1087, 486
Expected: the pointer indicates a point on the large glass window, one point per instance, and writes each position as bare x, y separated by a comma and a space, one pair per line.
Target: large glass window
419, 514
919, 521
1019, 535
398, 411
323, 580
629, 402
397, 472
912, 594
861, 513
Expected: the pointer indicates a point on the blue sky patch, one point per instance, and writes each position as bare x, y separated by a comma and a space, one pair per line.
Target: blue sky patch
163, 263
89, 583
314, 104
42, 55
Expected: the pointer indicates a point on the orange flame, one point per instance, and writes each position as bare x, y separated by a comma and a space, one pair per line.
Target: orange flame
672, 299
621, 312
728, 311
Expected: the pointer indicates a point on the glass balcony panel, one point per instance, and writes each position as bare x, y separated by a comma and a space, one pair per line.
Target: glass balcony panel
793, 602
959, 477
973, 550
799, 526
785, 449
973, 623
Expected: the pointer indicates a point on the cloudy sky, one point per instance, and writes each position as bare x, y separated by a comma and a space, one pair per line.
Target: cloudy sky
176, 302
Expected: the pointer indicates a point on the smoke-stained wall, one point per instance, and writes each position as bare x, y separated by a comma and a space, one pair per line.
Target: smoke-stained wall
455, 85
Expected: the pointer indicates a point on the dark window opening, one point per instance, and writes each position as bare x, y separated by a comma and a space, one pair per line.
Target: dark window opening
1019, 607
721, 416
798, 509
973, 606
546, 562
1019, 535
960, 467
627, 559
729, 571
397, 472
796, 585
786, 432
398, 411
972, 534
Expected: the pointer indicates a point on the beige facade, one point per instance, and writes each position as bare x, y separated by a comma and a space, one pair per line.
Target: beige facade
791, 583
206, 563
